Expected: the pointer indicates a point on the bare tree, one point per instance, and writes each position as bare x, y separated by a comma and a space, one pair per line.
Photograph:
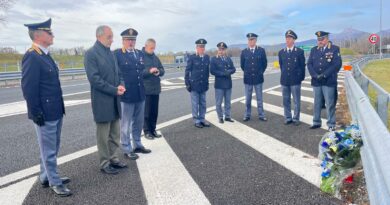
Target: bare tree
4, 6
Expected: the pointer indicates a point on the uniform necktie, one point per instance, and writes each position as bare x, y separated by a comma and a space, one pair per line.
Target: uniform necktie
132, 54
252, 50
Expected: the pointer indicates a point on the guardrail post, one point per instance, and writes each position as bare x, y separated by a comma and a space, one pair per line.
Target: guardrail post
364, 85
382, 107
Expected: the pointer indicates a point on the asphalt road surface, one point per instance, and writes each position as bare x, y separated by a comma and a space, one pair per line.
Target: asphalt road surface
232, 163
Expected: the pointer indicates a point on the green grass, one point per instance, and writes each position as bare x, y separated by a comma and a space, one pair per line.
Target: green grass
378, 71
9, 62
347, 51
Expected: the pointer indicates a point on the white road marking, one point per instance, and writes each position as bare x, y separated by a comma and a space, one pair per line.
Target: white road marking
18, 108
303, 98
305, 118
307, 88
165, 179
74, 85
78, 93
13, 194
166, 82
35, 169
300, 163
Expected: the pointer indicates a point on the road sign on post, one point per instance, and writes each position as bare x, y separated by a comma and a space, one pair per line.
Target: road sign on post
374, 38
306, 47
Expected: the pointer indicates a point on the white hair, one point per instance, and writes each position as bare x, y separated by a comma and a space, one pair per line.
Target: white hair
149, 41
100, 30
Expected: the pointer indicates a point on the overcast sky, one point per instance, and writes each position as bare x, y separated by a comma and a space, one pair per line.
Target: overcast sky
176, 24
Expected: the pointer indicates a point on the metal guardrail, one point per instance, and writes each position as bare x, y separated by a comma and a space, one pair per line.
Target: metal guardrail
383, 97
71, 72
376, 139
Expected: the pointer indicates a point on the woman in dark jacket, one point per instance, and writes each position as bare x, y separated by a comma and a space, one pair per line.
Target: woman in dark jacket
152, 73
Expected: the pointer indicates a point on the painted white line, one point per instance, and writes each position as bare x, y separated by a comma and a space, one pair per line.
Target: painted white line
166, 82
13, 194
78, 93
21, 189
165, 179
300, 163
305, 118
65, 86
307, 89
303, 98
173, 87
35, 169
18, 108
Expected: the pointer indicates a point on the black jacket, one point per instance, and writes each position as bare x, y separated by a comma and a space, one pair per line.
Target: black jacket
152, 82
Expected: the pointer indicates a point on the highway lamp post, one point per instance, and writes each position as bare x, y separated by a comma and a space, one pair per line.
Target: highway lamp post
380, 30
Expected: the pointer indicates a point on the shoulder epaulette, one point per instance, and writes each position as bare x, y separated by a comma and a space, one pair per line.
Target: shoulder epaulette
36, 49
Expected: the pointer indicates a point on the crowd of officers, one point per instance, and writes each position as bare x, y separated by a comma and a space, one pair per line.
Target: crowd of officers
125, 88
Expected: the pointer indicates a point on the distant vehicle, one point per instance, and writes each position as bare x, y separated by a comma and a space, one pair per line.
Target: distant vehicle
179, 59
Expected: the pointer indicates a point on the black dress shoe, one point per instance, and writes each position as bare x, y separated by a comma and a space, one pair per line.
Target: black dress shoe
205, 124
131, 155
109, 170
156, 135
142, 150
263, 119
61, 190
246, 119
198, 125
221, 120
288, 122
149, 136
315, 127
296, 123
228, 119
118, 165
64, 180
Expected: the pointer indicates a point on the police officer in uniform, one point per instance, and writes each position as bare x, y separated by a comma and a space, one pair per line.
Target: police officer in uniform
324, 63
197, 82
292, 66
131, 65
253, 63
42, 91
222, 68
